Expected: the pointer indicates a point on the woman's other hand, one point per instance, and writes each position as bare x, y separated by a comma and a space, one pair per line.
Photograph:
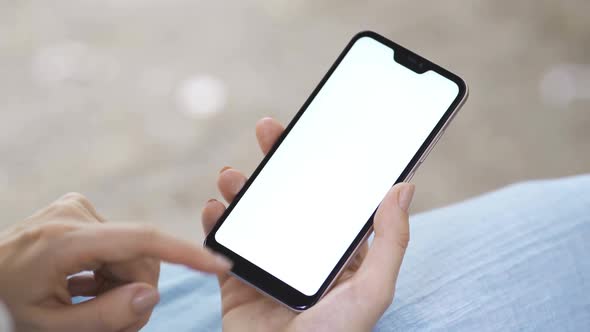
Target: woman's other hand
39, 256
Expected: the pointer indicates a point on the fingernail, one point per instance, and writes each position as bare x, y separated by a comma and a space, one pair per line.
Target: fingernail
145, 300
405, 196
225, 168
223, 262
211, 200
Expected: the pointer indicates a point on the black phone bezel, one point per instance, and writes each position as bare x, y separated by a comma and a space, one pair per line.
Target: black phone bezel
263, 280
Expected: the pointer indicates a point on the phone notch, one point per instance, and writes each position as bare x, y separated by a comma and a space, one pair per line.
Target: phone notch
411, 61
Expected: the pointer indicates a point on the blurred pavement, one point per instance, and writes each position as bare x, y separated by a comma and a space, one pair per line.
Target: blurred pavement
138, 104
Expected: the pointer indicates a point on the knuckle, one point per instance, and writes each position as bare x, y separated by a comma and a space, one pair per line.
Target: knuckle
52, 230
76, 197
30, 234
403, 240
67, 209
42, 232
151, 266
148, 232
71, 206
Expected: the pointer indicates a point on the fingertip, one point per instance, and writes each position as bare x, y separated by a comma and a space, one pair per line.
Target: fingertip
405, 195
392, 215
212, 262
145, 299
211, 208
262, 125
268, 123
212, 202
223, 263
264, 120
399, 196
268, 130
224, 168
211, 212
381, 266
114, 310
229, 183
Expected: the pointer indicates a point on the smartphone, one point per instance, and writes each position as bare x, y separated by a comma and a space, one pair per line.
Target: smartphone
310, 203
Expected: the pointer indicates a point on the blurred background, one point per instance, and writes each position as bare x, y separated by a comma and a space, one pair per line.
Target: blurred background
139, 103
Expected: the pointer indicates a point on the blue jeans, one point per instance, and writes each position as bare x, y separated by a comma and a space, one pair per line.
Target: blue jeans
517, 259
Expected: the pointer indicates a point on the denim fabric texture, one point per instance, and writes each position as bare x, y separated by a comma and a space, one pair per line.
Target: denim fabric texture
516, 259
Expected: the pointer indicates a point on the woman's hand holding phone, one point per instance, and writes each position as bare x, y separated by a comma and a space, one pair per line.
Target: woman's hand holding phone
361, 294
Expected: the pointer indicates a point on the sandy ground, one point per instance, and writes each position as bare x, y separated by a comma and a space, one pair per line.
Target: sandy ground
138, 104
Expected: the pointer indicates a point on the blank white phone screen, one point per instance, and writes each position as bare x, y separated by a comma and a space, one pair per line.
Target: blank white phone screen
330, 173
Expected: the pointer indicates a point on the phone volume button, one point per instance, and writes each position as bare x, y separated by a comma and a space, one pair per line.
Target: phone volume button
413, 172
431, 146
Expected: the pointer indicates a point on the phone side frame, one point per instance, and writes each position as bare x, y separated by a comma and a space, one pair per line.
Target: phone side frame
407, 178
438, 136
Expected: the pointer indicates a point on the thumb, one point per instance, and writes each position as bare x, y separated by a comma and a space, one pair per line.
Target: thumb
114, 310
378, 272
